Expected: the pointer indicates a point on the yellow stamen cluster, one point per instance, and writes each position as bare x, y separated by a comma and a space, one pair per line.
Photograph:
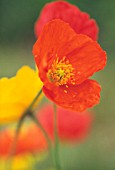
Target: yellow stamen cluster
61, 72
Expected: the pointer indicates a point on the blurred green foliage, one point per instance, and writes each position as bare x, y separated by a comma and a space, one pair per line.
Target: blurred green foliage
17, 18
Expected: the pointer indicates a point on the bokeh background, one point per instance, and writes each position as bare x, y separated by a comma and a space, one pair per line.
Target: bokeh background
17, 18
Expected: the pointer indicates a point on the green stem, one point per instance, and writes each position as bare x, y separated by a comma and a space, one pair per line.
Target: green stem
33, 102
28, 112
14, 144
56, 140
43, 131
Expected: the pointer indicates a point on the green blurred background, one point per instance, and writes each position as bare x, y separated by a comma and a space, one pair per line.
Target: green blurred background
17, 18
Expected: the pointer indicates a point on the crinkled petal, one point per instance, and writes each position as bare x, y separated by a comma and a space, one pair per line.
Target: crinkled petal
86, 57
78, 20
54, 35
76, 97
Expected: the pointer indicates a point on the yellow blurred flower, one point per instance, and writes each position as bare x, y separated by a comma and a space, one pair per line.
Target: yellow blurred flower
23, 162
17, 93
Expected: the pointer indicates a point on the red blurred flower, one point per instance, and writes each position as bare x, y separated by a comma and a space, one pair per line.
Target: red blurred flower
65, 61
71, 127
78, 20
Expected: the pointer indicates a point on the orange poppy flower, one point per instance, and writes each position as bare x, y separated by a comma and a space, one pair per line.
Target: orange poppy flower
78, 20
65, 61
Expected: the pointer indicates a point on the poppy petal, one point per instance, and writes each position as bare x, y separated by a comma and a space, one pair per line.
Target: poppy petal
54, 35
78, 20
76, 97
87, 57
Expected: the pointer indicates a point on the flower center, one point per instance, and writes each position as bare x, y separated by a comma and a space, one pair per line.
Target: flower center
61, 72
